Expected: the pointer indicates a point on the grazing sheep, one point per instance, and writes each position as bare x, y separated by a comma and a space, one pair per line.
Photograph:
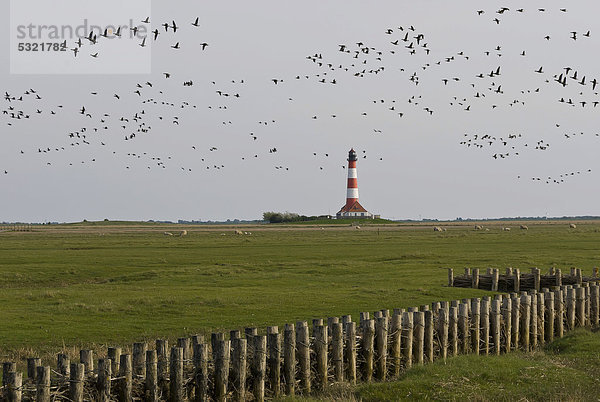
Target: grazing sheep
573, 226
239, 232
184, 233
168, 234
437, 229
524, 227
506, 229
357, 227
478, 227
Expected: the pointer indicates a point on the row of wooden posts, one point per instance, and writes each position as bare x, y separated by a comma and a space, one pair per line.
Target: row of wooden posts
514, 280
256, 366
15, 228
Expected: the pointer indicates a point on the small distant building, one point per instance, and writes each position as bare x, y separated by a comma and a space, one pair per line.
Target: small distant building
352, 209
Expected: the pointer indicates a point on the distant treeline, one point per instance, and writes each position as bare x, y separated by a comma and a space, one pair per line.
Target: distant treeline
282, 217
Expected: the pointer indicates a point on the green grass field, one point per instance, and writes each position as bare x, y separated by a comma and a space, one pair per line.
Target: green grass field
87, 286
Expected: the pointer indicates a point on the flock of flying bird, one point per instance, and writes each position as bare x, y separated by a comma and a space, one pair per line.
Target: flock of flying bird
402, 52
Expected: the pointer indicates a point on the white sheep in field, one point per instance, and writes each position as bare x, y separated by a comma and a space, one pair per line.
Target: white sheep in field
524, 227
168, 234
239, 232
506, 229
437, 229
184, 233
478, 227
573, 226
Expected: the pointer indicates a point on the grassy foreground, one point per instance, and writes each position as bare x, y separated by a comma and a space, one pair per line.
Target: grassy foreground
566, 370
81, 286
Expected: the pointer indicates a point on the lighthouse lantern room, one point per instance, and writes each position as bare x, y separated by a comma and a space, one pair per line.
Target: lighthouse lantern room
352, 209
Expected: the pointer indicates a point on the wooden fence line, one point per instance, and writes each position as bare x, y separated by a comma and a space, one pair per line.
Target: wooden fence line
258, 366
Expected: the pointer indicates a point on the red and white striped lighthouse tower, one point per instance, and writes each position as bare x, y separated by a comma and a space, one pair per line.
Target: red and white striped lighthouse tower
352, 207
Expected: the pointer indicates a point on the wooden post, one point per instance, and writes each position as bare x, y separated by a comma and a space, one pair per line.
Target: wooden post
176, 375
42, 384
126, 374
578, 276
303, 345
63, 367
77, 371
559, 307
330, 322
86, 357
495, 326
351, 352
368, 334
407, 338
517, 280
381, 336
429, 336
104, 377
580, 307
259, 367
114, 354
151, 391
289, 359
419, 337
201, 372
463, 327
541, 311
475, 278
14, 384
571, 308
558, 277
221, 360
485, 325
594, 305
337, 351
516, 321
162, 356
238, 369
32, 364
536, 278
587, 301
185, 344
274, 360
364, 316
395, 343
507, 318
139, 359
442, 330
495, 278
549, 316
475, 325
533, 321
525, 323
453, 330
450, 277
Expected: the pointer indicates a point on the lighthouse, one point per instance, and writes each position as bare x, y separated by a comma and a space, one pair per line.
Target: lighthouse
352, 208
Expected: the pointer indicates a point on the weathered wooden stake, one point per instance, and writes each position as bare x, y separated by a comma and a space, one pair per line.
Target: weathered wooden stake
86, 357
484, 324
541, 306
525, 323
14, 383
139, 359
580, 308
351, 352
63, 367
559, 316
442, 330
495, 320
177, 390
429, 336
450, 277
507, 319
594, 305
381, 336
419, 337
32, 364
533, 321
516, 320
303, 346
185, 344
126, 378
76, 382
42, 384
162, 356
395, 343
114, 354
536, 278
337, 351
238, 368
201, 372
104, 377
453, 330
407, 338
320, 348
259, 367
495, 278
151, 390
463, 327
274, 360
475, 325
475, 278
549, 316
367, 346
571, 302
289, 359
222, 355
517, 279
558, 277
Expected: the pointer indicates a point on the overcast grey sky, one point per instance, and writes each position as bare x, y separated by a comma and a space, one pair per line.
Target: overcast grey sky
415, 164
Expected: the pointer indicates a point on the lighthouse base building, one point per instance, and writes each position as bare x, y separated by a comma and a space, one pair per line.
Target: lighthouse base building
352, 209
